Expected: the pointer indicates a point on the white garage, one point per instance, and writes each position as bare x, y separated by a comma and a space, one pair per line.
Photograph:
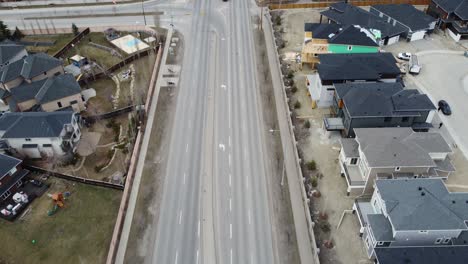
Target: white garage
417, 35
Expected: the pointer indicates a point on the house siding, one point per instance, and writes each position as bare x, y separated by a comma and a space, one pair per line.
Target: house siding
338, 48
66, 102
415, 238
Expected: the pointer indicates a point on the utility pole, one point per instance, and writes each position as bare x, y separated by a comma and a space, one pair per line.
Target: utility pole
143, 10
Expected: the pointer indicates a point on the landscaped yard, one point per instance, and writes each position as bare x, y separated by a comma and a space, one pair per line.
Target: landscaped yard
60, 41
79, 233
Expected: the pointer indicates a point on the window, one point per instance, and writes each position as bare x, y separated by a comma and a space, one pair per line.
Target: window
18, 184
380, 243
405, 119
397, 169
354, 161
73, 102
59, 104
423, 231
438, 240
47, 145
6, 195
446, 241
387, 119
27, 139
350, 47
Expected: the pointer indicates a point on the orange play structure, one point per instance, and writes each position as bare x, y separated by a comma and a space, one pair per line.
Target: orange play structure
58, 199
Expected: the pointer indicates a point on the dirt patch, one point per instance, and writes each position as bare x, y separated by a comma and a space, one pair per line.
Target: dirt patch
79, 233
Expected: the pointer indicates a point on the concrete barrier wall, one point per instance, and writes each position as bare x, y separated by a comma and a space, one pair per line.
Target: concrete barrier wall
324, 4
131, 171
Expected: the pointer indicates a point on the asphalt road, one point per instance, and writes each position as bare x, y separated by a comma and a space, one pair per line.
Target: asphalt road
215, 207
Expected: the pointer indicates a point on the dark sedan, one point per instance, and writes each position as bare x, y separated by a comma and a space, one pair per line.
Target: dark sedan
445, 107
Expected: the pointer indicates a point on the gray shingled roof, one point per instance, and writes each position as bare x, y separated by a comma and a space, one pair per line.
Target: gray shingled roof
406, 14
47, 90
37, 64
423, 204
459, 7
357, 66
346, 14
7, 163
399, 146
382, 99
321, 31
381, 227
34, 124
58, 87
26, 91
422, 255
8, 50
11, 71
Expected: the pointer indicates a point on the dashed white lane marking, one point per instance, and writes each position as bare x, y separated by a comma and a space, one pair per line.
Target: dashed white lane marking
176, 256
229, 180
229, 141
184, 178
248, 214
230, 231
186, 148
231, 255
230, 204
180, 217
197, 256
198, 230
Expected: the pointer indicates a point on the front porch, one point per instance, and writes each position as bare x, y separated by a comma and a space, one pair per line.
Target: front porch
356, 183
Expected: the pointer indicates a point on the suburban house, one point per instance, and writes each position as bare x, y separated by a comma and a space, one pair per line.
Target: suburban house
32, 68
11, 52
362, 105
11, 175
334, 38
451, 15
39, 134
414, 221
393, 152
349, 68
346, 14
416, 22
52, 94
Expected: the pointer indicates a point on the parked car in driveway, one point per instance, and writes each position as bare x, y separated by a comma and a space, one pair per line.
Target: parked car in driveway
413, 66
404, 56
445, 107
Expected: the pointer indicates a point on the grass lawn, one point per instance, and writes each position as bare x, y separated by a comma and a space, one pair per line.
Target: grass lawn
79, 233
102, 103
60, 41
102, 57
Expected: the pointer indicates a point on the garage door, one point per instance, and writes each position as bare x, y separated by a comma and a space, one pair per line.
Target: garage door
417, 35
393, 40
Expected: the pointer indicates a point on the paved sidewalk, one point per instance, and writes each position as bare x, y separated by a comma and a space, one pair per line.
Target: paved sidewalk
292, 171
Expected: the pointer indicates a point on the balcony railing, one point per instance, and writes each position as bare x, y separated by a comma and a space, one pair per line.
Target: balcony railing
353, 182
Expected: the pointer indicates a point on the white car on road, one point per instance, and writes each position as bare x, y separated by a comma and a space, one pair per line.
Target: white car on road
404, 56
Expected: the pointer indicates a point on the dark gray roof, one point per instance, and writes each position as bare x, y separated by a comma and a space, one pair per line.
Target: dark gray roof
353, 35
382, 99
38, 64
34, 124
399, 146
58, 87
346, 14
321, 31
406, 14
47, 90
337, 34
381, 227
7, 163
8, 50
422, 255
26, 91
357, 66
423, 204
459, 7
11, 71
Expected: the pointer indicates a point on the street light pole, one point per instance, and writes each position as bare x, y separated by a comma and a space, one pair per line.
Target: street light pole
143, 11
